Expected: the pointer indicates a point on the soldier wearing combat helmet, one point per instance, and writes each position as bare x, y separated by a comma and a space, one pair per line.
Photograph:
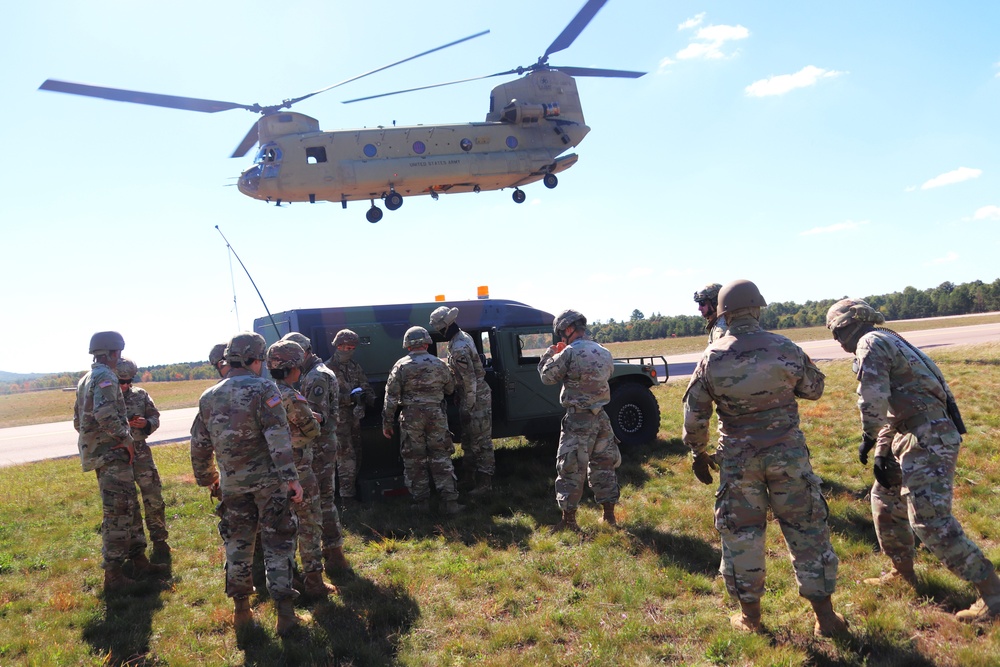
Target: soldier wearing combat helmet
217, 357
909, 415
241, 423
143, 419
707, 299
586, 443
416, 388
754, 377
355, 395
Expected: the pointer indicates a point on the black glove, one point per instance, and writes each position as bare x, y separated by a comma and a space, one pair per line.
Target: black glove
883, 473
703, 465
867, 442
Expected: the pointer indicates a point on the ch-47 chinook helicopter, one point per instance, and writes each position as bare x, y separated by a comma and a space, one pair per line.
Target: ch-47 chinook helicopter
533, 120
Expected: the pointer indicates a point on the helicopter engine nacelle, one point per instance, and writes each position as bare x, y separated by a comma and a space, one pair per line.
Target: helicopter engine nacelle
517, 113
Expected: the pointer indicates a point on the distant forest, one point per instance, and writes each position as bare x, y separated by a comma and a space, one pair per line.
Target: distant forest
911, 303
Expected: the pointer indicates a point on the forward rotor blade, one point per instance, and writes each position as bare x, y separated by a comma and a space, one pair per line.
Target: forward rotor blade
436, 85
575, 27
248, 141
136, 97
384, 67
587, 71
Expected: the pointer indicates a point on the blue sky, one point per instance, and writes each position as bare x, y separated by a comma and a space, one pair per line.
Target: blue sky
820, 150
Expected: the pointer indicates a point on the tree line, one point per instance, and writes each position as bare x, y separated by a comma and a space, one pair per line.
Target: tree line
945, 299
192, 370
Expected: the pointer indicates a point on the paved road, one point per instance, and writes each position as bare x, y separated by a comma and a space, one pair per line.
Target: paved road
23, 444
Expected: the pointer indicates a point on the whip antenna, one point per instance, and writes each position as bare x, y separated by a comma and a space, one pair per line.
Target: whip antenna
228, 245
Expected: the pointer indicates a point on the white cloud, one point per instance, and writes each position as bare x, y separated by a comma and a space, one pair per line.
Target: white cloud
845, 226
783, 83
952, 177
666, 62
708, 41
910, 188
601, 278
987, 213
692, 22
949, 257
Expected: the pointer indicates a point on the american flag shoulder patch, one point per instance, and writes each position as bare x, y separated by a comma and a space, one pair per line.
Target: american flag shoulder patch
273, 401
105, 384
300, 397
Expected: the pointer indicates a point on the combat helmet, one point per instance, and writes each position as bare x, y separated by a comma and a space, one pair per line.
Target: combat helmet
738, 295
416, 336
217, 354
126, 369
442, 318
566, 319
346, 337
708, 293
846, 311
301, 339
246, 346
285, 355
103, 342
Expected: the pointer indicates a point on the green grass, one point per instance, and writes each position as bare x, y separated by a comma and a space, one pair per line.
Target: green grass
494, 586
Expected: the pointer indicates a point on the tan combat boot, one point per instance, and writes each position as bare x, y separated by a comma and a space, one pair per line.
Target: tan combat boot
451, 507
748, 620
314, 587
484, 484
287, 620
115, 580
141, 567
987, 607
609, 514
901, 571
335, 560
828, 622
568, 522
242, 613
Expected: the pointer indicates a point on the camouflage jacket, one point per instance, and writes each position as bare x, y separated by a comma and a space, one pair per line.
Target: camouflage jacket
754, 378
320, 387
467, 367
99, 416
351, 376
584, 368
301, 422
419, 378
138, 403
716, 329
243, 422
895, 383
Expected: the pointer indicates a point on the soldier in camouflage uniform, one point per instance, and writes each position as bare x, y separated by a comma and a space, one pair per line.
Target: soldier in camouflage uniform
707, 299
586, 441
144, 418
355, 395
217, 357
320, 387
416, 386
242, 423
475, 399
754, 377
284, 359
105, 444
905, 410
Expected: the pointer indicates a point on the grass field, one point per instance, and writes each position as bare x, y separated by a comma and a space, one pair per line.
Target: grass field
494, 586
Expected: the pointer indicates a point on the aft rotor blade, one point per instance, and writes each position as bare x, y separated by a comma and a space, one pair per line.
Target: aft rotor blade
436, 85
587, 71
575, 27
385, 67
136, 97
248, 141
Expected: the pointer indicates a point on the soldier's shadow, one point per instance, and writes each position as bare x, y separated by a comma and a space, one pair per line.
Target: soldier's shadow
123, 633
691, 553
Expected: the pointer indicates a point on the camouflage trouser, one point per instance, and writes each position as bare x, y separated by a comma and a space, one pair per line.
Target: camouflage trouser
586, 445
426, 448
324, 465
240, 516
121, 536
781, 477
892, 524
148, 479
927, 458
477, 432
309, 513
348, 452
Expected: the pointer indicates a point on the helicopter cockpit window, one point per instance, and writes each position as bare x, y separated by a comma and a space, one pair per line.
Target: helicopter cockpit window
315, 154
269, 153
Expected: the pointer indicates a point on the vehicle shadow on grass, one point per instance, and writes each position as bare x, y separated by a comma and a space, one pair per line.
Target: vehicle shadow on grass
123, 633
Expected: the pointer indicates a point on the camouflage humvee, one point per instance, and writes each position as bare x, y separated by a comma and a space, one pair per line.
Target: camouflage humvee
510, 337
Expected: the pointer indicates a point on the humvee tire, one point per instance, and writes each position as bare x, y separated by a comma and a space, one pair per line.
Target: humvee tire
634, 413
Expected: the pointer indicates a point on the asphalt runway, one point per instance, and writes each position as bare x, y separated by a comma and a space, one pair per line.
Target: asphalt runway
24, 444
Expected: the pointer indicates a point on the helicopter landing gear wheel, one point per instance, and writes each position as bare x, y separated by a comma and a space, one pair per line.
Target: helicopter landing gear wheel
393, 201
519, 196
374, 214
550, 181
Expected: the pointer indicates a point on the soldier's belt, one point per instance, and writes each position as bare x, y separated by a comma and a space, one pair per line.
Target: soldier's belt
572, 410
910, 424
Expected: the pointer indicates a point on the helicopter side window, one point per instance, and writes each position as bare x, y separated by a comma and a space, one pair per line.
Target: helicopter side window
315, 154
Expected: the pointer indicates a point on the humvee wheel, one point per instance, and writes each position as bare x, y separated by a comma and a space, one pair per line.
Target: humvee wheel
634, 413
519, 196
374, 214
550, 181
393, 201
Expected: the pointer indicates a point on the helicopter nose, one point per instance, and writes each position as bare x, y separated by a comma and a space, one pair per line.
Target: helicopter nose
250, 181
